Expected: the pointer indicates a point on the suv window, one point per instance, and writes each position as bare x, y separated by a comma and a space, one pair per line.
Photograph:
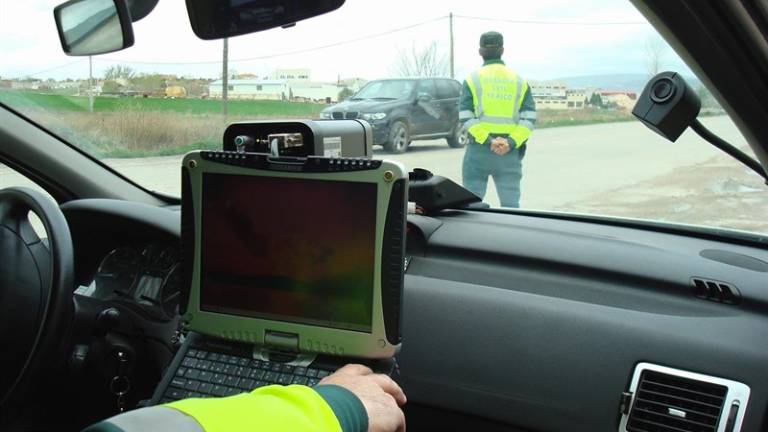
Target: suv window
426, 86
388, 89
446, 89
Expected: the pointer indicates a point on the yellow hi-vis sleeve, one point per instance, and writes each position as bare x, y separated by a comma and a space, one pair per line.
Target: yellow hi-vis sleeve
293, 408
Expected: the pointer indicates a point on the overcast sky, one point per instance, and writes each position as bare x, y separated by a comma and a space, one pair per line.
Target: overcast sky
566, 38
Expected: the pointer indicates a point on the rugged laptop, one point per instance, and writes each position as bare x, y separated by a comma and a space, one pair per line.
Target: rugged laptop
295, 267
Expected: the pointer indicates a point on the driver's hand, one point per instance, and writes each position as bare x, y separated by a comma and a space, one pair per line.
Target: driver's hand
380, 395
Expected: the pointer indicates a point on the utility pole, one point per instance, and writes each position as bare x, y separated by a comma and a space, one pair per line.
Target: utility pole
450, 26
225, 77
90, 83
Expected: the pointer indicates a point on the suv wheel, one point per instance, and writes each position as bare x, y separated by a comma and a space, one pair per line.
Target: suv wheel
459, 138
399, 138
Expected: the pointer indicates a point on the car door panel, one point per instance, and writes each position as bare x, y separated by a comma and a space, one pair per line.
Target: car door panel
448, 104
425, 117
539, 323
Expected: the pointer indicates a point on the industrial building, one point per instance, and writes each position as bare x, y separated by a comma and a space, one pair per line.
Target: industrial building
251, 89
555, 95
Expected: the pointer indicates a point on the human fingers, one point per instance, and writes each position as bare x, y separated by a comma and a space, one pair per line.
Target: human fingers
401, 421
384, 415
354, 369
390, 387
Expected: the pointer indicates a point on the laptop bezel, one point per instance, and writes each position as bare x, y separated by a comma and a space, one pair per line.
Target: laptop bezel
311, 338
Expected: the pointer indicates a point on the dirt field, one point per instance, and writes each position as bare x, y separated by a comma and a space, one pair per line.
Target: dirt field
716, 193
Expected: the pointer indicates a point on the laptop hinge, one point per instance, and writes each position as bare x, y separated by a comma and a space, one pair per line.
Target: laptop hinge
283, 347
281, 341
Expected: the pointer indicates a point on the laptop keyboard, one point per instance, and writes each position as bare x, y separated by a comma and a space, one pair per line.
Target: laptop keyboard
210, 374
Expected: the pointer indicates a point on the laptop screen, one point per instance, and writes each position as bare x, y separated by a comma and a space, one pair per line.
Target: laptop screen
289, 249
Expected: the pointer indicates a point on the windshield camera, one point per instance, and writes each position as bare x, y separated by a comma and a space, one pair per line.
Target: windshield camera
667, 105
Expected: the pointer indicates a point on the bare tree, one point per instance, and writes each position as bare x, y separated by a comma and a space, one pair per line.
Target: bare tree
426, 62
119, 71
655, 51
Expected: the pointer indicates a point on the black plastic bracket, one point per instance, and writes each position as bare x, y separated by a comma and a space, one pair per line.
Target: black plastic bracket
433, 193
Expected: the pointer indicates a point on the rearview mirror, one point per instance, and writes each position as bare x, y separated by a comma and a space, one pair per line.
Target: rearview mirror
90, 27
227, 18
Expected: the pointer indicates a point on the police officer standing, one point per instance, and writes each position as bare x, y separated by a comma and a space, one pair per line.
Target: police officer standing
499, 113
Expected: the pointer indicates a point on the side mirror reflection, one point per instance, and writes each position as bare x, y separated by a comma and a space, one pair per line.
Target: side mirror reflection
89, 27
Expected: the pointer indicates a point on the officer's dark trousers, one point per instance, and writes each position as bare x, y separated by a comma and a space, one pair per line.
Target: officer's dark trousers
507, 171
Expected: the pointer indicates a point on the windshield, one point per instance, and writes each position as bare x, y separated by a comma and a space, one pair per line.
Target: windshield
583, 63
398, 89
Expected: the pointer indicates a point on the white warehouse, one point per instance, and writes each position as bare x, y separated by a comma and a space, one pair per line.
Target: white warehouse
251, 89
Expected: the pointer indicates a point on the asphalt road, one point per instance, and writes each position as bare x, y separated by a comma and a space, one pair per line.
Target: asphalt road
620, 169
562, 165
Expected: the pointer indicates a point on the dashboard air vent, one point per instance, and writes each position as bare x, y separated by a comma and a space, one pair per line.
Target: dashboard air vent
669, 403
672, 400
716, 291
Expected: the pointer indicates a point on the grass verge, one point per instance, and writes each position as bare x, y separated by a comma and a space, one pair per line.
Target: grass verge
144, 127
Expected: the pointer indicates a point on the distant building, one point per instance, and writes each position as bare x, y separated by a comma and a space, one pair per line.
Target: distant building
251, 89
298, 90
291, 74
624, 100
4, 83
26, 85
314, 92
555, 95
576, 99
547, 89
284, 84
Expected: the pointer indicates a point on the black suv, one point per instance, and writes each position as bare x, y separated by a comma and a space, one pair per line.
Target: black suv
402, 110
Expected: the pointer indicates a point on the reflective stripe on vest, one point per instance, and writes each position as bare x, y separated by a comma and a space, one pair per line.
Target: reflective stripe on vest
152, 418
497, 106
466, 114
528, 115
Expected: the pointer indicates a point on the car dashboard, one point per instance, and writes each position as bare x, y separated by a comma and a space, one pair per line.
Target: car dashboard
511, 321
143, 276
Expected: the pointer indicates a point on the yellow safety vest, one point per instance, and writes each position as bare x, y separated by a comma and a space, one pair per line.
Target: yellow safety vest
292, 408
273, 408
497, 93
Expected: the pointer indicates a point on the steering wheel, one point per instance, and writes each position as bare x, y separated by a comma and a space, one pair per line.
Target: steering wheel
36, 288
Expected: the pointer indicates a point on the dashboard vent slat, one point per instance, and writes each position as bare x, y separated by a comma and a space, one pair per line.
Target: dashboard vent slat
679, 399
668, 403
681, 392
666, 406
717, 291
655, 427
674, 419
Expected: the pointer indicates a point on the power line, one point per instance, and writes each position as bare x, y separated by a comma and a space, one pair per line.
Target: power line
537, 22
48, 70
287, 53
341, 43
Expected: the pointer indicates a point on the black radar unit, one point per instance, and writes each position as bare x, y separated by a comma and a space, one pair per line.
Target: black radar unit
301, 138
667, 105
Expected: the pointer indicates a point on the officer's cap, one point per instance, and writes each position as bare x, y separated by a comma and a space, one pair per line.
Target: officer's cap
491, 39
